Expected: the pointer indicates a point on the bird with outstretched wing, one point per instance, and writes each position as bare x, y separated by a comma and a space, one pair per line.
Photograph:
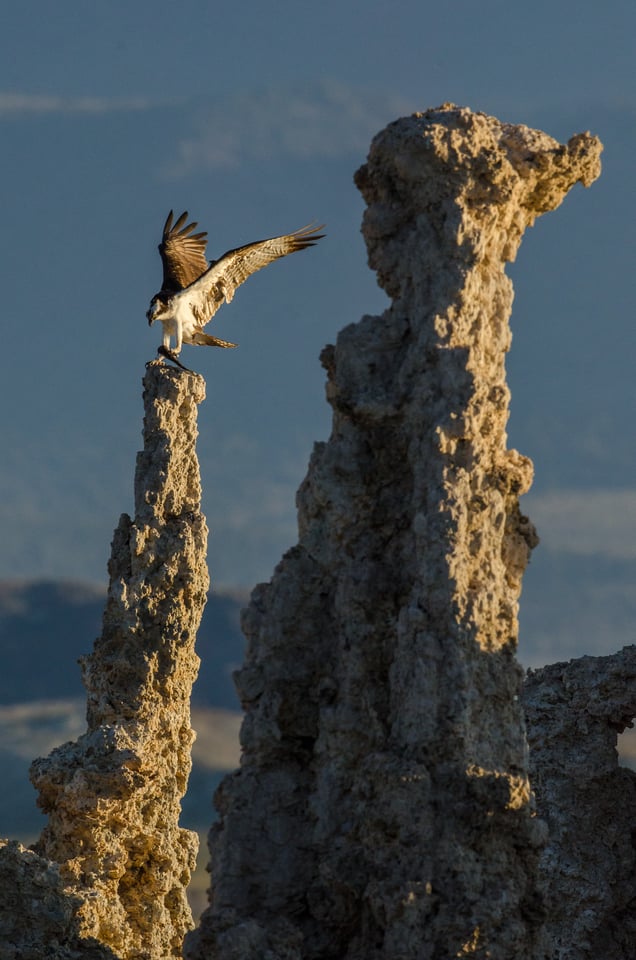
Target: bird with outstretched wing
193, 290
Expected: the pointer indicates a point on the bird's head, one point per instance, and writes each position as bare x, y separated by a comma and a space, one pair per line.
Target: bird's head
155, 310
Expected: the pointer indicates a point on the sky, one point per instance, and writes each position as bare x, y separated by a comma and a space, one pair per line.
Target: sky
254, 117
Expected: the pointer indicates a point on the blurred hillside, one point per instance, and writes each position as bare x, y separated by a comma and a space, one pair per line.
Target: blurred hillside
573, 603
44, 628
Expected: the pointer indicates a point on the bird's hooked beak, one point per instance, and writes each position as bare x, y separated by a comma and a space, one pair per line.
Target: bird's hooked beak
151, 313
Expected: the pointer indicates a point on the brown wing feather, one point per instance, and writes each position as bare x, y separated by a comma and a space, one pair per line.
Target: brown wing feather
182, 254
224, 276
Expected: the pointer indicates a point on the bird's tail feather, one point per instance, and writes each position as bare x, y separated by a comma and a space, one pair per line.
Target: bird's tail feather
205, 340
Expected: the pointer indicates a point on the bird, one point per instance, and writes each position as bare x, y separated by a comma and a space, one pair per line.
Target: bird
193, 289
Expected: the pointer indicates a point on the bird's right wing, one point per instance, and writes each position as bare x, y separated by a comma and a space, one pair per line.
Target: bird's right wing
182, 254
223, 277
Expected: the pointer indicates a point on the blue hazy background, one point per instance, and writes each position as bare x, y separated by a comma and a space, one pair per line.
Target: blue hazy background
254, 118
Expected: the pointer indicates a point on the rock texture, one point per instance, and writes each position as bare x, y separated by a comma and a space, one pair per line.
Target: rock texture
383, 808
113, 797
588, 869
39, 917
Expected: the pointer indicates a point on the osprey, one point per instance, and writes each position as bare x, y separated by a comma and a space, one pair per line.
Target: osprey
193, 290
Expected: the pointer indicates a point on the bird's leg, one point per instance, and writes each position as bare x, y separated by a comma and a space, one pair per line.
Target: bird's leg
165, 351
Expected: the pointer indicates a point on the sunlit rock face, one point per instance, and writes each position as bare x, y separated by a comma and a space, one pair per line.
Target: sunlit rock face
383, 808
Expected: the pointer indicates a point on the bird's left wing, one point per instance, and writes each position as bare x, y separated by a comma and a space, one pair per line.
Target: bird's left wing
224, 276
182, 254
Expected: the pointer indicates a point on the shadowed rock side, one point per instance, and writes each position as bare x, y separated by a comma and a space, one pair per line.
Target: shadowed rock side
113, 798
382, 808
574, 713
39, 918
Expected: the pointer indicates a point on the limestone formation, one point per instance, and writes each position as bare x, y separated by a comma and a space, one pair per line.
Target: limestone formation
113, 797
383, 808
588, 869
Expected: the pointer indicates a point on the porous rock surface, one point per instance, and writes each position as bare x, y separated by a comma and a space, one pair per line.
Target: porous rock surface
574, 712
113, 798
39, 917
383, 807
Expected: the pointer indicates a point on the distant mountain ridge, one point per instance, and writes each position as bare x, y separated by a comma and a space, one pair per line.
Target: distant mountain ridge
45, 626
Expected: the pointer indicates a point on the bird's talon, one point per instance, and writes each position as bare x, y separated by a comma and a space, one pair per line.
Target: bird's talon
170, 355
